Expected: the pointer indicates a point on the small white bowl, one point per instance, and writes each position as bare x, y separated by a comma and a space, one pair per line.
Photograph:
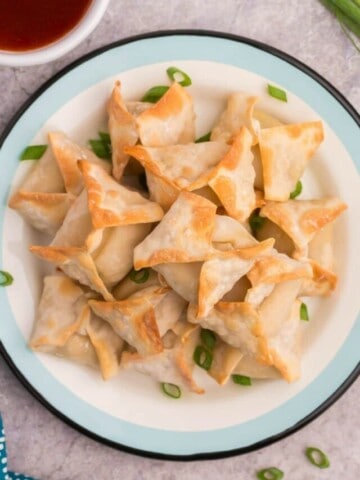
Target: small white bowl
62, 45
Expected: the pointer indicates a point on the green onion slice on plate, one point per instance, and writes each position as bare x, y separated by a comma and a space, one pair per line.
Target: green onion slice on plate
174, 72
208, 338
304, 314
6, 279
271, 473
297, 191
277, 92
102, 146
155, 93
241, 380
202, 357
139, 276
317, 457
204, 138
33, 152
171, 390
255, 221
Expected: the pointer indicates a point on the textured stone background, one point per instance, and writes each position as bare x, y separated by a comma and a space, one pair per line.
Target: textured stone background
41, 445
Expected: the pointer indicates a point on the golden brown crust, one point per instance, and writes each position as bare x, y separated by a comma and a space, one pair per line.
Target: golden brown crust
276, 269
323, 281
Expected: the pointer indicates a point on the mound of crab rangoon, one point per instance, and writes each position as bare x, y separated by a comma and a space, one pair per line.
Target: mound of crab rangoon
142, 270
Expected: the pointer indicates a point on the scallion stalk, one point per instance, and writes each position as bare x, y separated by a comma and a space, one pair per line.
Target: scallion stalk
317, 457
277, 93
171, 390
174, 71
154, 94
304, 314
241, 380
256, 221
139, 276
33, 152
298, 189
204, 138
102, 146
208, 338
6, 278
202, 357
271, 473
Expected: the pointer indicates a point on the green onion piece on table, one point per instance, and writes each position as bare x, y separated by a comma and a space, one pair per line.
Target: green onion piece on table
277, 93
347, 14
171, 390
208, 338
204, 138
139, 276
173, 71
155, 93
33, 152
317, 457
297, 191
241, 380
271, 473
255, 221
304, 314
6, 279
202, 357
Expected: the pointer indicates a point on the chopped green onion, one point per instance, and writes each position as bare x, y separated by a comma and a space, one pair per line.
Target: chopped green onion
271, 473
349, 8
317, 457
6, 279
173, 71
202, 357
297, 191
241, 380
349, 23
204, 138
139, 276
304, 315
171, 390
278, 93
154, 94
102, 146
208, 338
105, 137
255, 221
33, 152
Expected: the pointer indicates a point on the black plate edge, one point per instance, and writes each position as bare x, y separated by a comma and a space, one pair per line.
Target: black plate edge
199, 456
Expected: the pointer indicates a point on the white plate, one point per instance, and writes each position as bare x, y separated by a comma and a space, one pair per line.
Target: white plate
129, 411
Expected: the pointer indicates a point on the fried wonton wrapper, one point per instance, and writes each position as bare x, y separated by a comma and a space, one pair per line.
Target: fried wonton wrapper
283, 242
173, 365
66, 327
182, 166
285, 152
233, 178
77, 263
134, 320
302, 219
238, 113
234, 322
122, 129
170, 121
67, 154
250, 367
44, 211
219, 274
279, 329
45, 176
231, 233
111, 204
127, 286
277, 268
161, 191
183, 235
224, 360
112, 250
182, 277
76, 225
324, 280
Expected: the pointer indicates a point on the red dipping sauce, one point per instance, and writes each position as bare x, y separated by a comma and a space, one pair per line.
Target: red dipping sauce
31, 24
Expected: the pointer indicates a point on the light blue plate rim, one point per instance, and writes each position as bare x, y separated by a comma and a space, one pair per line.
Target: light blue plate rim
128, 54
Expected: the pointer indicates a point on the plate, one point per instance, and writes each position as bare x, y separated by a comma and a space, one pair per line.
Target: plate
128, 411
